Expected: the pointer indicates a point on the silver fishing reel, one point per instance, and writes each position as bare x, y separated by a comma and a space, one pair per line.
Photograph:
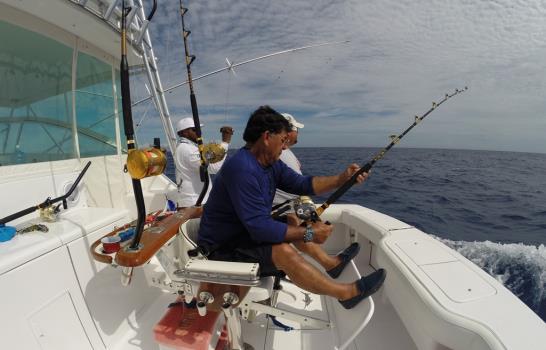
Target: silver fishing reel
305, 209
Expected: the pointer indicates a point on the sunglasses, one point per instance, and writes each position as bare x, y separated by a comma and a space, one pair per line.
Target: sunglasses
284, 139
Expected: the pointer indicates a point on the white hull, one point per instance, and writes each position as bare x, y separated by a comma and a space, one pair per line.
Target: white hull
56, 296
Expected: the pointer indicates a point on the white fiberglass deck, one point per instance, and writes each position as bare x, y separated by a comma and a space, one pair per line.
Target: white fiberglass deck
385, 330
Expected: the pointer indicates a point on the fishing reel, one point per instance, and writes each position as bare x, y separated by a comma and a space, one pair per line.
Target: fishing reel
213, 152
305, 209
50, 213
146, 162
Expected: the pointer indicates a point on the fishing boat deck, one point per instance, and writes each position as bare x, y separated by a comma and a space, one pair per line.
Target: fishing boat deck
385, 330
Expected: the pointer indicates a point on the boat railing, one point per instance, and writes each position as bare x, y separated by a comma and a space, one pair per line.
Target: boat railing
139, 38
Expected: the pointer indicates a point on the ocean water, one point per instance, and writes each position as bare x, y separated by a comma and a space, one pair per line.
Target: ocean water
489, 206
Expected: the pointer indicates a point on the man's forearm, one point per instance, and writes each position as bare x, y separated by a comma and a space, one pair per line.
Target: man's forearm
323, 184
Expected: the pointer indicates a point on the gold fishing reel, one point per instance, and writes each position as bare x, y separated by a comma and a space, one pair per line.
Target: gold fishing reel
213, 152
305, 209
146, 162
49, 213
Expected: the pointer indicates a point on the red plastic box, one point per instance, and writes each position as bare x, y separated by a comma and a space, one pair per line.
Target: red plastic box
182, 328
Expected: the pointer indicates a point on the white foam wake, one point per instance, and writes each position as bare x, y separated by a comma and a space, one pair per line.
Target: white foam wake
521, 268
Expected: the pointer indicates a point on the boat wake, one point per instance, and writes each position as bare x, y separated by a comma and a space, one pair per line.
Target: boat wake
521, 268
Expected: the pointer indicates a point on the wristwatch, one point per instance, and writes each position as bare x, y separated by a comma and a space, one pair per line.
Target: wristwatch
309, 233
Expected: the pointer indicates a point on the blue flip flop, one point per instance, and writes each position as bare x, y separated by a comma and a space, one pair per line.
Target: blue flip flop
367, 285
346, 256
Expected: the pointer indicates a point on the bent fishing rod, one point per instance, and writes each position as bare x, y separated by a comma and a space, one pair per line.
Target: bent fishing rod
48, 202
203, 168
304, 207
379, 155
128, 121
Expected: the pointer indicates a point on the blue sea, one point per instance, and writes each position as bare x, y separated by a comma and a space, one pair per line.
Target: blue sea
489, 206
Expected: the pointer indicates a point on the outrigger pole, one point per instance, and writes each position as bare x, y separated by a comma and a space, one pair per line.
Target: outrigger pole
128, 121
231, 65
366, 168
203, 169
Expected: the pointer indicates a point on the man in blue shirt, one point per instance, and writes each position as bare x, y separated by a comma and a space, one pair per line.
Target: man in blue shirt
237, 223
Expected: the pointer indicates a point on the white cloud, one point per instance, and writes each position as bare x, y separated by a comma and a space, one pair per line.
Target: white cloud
402, 56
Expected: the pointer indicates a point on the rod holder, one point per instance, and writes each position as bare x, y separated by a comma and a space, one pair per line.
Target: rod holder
204, 299
230, 298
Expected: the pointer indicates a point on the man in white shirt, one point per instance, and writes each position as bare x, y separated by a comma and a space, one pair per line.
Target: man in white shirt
289, 158
188, 161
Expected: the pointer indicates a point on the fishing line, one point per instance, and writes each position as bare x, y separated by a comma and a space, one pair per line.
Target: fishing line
278, 78
227, 97
144, 114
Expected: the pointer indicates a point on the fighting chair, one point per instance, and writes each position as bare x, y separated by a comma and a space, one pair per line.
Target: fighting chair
235, 289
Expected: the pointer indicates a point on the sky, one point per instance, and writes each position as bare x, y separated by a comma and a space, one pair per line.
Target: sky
402, 56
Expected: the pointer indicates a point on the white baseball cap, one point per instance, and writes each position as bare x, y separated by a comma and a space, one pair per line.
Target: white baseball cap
185, 123
293, 122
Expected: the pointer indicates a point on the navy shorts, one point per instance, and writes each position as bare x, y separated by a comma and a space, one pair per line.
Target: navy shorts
250, 252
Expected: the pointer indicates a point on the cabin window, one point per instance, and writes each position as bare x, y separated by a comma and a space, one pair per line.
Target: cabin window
95, 107
36, 121
56, 102
122, 136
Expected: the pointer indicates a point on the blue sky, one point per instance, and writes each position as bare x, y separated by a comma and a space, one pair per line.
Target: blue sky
402, 56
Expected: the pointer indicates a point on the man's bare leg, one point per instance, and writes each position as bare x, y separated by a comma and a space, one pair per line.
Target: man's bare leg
312, 249
315, 251
306, 276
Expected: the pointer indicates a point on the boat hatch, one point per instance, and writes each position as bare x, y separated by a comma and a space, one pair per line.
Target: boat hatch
443, 268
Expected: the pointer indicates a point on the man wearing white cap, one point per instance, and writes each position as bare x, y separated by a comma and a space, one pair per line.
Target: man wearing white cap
288, 157
188, 161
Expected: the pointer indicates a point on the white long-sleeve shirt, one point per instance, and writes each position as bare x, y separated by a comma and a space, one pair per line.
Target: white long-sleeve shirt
187, 162
290, 159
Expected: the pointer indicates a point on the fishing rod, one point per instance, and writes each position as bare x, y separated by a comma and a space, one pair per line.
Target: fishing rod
303, 206
203, 168
48, 202
134, 160
366, 168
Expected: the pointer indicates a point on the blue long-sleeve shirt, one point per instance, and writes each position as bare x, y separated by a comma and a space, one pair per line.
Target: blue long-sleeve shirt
240, 201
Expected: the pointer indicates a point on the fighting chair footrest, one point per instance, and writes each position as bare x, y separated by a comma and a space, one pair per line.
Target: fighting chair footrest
222, 272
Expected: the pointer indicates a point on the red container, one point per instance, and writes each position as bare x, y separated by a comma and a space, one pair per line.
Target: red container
110, 244
182, 328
